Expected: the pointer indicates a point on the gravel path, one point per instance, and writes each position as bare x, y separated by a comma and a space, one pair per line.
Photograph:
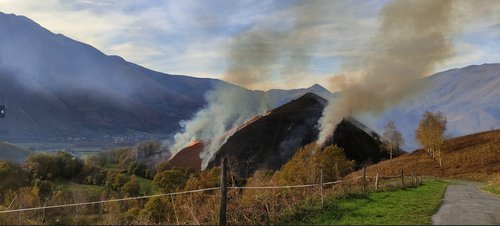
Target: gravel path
465, 204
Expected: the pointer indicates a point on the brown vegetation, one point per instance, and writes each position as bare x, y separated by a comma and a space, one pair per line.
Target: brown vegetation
462, 157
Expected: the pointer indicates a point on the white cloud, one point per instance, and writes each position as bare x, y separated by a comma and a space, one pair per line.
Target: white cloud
191, 37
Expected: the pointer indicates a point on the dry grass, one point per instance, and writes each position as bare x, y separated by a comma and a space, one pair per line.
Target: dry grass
475, 156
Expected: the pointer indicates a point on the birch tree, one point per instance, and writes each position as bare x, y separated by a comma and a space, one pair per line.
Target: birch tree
430, 133
393, 138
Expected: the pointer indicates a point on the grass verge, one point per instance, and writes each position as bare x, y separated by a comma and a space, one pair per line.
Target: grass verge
493, 185
406, 206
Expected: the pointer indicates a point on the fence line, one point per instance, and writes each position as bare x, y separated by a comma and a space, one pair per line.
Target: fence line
179, 193
341, 181
110, 200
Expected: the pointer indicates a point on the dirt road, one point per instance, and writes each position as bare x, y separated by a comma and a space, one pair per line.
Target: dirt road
465, 204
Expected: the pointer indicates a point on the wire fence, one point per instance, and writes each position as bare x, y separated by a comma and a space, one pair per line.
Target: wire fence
188, 192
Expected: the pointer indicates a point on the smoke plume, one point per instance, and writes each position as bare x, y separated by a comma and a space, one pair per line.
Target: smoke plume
254, 57
412, 38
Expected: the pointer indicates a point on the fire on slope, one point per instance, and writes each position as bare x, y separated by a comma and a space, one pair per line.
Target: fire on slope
268, 141
189, 157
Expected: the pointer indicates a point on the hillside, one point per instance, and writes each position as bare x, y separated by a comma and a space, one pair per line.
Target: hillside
462, 156
271, 140
9, 152
55, 87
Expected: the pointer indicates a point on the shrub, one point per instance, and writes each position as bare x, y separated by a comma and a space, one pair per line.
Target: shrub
170, 180
115, 180
157, 210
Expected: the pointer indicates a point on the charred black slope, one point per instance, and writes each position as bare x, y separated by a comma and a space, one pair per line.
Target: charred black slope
271, 141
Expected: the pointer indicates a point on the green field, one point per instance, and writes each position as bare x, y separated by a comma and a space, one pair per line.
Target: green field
407, 206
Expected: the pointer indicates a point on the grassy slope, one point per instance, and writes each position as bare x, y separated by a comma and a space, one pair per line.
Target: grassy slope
408, 206
493, 185
467, 157
9, 152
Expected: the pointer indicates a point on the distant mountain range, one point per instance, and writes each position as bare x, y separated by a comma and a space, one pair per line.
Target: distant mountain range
55, 87
469, 97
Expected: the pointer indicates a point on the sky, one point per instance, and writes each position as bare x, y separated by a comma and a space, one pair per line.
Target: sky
193, 37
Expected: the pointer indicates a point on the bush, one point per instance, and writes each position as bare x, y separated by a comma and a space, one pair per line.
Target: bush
115, 180
170, 180
132, 188
92, 174
49, 166
158, 210
42, 166
12, 176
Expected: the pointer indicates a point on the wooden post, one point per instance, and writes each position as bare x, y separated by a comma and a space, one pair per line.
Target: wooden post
223, 193
376, 182
402, 179
321, 186
364, 178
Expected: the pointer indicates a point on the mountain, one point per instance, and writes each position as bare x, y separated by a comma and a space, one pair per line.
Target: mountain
469, 97
12, 153
57, 88
271, 140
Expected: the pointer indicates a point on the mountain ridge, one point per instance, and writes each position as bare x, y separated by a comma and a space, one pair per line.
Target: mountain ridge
56, 87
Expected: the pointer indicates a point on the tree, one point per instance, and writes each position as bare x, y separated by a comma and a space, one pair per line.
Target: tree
136, 168
170, 180
147, 148
334, 162
393, 138
132, 188
42, 166
305, 165
69, 165
430, 133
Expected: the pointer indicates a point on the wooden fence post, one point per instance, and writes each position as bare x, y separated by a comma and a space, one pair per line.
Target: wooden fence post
402, 179
376, 182
223, 193
364, 178
321, 186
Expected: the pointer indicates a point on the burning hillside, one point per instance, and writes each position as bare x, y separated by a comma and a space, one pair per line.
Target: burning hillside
270, 140
188, 157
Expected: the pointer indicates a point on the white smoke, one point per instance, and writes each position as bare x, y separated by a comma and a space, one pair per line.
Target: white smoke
252, 58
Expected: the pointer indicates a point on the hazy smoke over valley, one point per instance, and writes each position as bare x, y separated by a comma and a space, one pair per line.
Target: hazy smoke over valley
253, 58
412, 38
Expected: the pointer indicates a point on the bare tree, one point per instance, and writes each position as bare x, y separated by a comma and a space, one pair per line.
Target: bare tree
430, 133
393, 138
